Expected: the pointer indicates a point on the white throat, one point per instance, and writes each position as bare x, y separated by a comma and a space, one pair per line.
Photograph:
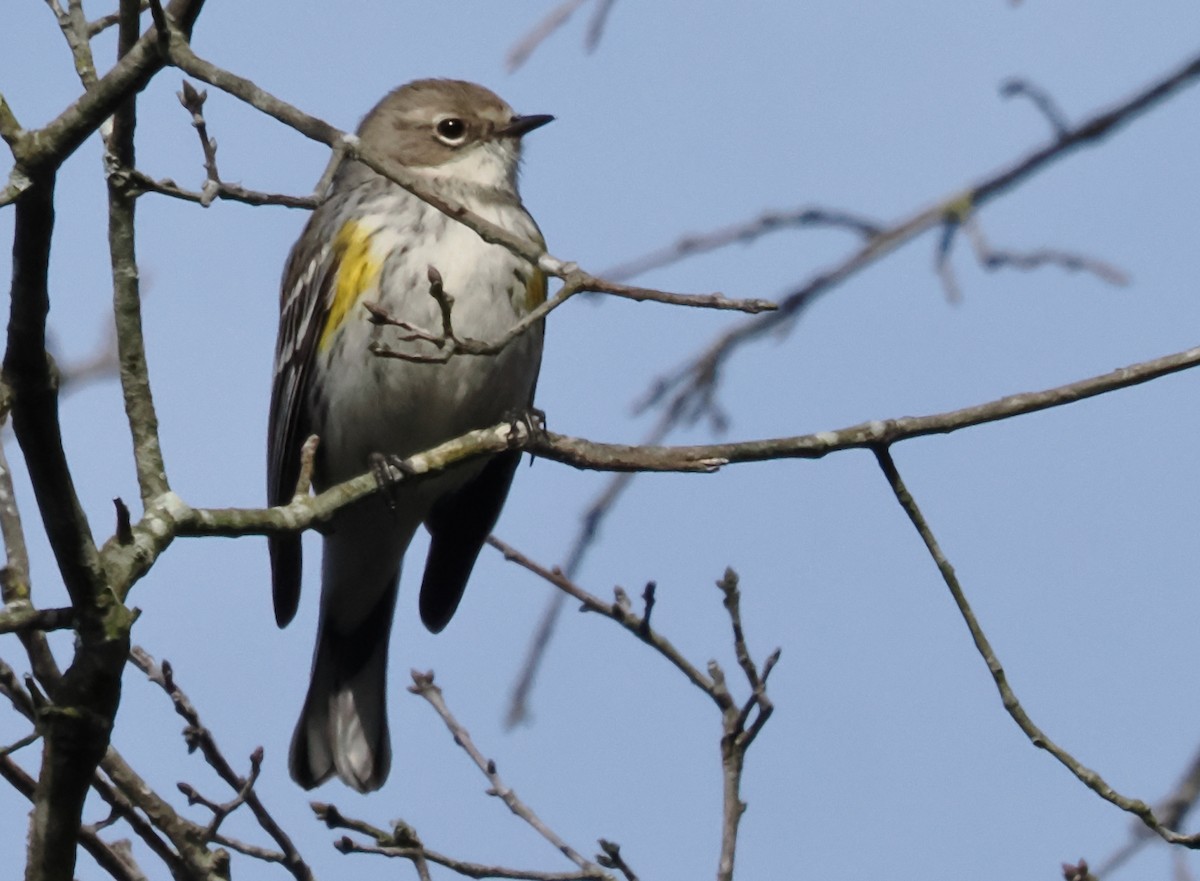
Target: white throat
491, 165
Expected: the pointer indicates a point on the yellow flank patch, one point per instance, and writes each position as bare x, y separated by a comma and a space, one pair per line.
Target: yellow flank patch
356, 273
535, 289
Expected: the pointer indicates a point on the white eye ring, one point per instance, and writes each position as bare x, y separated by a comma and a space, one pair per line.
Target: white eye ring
450, 130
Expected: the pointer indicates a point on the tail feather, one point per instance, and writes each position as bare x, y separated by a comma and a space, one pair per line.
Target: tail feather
343, 727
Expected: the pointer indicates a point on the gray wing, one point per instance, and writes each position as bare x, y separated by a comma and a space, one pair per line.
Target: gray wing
305, 298
458, 526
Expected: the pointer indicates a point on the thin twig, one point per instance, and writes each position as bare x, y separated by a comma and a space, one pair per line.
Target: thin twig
622, 614
745, 233
596, 26
74, 27
423, 685
575, 280
1171, 811
610, 857
139, 182
691, 387
553, 21
1012, 704
550, 22
193, 100
740, 724
12, 689
199, 737
104, 22
993, 258
1040, 98
420, 855
10, 748
127, 296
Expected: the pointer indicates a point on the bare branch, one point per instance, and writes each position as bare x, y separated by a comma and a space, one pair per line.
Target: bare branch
113, 858
992, 258
745, 233
689, 392
14, 579
596, 26
21, 617
610, 857
41, 151
138, 182
419, 856
1171, 811
737, 734
104, 22
199, 737
575, 280
1012, 704
129, 797
127, 297
690, 388
31, 738
11, 688
622, 614
169, 516
74, 26
1040, 98
193, 100
424, 686
551, 22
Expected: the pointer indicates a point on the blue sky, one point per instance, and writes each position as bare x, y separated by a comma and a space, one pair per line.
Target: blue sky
1073, 530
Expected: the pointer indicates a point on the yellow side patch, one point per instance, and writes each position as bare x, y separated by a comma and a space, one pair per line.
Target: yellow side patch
535, 289
357, 272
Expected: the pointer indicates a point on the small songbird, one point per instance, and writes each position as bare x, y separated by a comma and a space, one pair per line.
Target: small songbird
372, 242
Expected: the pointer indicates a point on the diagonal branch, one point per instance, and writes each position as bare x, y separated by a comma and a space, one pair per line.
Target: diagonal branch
423, 685
199, 736
1012, 704
690, 381
689, 392
170, 516
38, 152
575, 280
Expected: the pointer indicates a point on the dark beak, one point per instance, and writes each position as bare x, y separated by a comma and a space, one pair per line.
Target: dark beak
523, 125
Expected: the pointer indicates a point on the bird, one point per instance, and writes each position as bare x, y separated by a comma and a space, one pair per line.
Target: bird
371, 243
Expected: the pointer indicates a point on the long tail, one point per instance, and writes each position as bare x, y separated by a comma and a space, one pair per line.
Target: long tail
343, 727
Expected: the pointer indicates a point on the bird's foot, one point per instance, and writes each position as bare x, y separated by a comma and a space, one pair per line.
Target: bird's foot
532, 418
381, 466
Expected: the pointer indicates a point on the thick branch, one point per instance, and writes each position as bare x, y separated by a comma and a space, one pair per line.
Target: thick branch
113, 859
169, 516
41, 151
14, 579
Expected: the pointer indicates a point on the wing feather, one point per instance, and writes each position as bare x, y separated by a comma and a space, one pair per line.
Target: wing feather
309, 282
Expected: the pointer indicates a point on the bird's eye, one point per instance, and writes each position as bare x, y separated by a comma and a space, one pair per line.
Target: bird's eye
451, 130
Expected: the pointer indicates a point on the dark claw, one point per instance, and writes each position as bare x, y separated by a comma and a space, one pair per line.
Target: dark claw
381, 465
531, 417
